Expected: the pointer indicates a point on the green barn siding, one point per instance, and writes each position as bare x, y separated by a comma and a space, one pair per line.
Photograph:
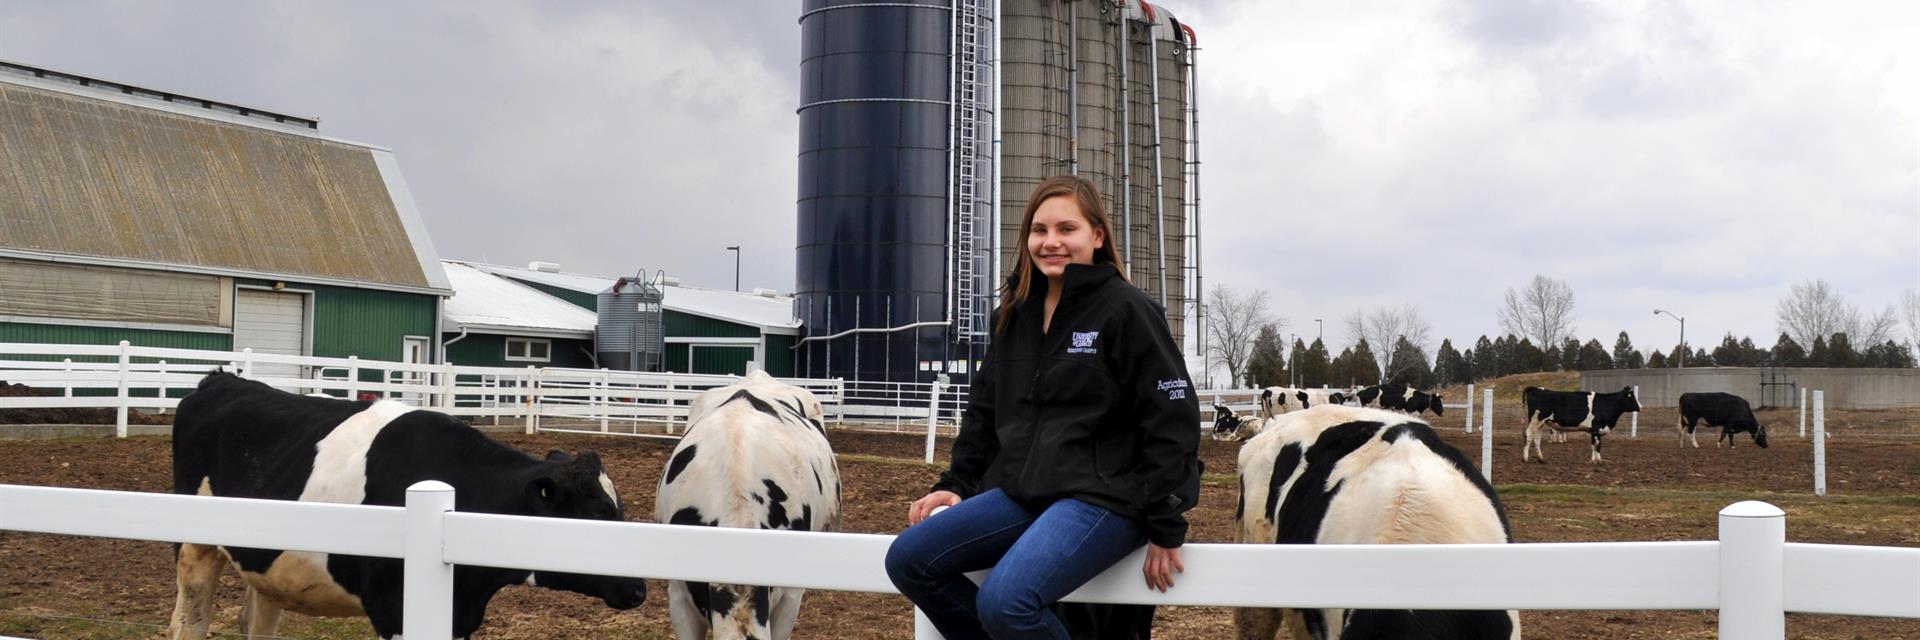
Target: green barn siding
780, 355
368, 323
721, 360
73, 334
686, 325
676, 358
588, 301
484, 350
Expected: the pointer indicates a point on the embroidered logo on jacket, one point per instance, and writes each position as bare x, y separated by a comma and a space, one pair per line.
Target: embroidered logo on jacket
1083, 342
1176, 388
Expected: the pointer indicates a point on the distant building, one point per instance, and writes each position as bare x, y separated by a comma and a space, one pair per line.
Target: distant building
174, 221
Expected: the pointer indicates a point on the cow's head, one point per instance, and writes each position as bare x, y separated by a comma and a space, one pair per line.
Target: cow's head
1633, 402
1337, 398
1438, 405
577, 487
1226, 424
1760, 435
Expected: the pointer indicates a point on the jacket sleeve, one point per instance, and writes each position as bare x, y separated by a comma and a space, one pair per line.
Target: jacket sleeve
975, 448
1160, 396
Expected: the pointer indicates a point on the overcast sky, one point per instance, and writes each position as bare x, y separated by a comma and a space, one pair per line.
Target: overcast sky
1694, 156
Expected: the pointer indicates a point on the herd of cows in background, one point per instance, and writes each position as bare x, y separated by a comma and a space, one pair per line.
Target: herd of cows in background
1313, 470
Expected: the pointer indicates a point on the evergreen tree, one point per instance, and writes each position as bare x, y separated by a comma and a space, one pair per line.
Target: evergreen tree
1364, 370
1657, 360
1700, 358
1819, 356
1486, 360
1315, 367
1729, 354
1527, 358
1787, 353
1625, 356
1266, 366
1840, 352
1408, 365
1754, 356
1450, 367
1569, 359
1593, 357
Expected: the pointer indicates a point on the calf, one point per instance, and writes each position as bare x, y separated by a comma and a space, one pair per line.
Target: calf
755, 456
239, 438
1344, 475
1729, 412
1594, 413
1228, 425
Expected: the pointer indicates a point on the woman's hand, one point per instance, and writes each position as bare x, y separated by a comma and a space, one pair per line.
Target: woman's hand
1162, 563
924, 507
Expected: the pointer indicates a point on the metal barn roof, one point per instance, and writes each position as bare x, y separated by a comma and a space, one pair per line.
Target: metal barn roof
485, 303
771, 314
108, 174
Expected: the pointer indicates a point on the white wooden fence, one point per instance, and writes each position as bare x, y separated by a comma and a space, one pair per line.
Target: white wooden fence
1751, 574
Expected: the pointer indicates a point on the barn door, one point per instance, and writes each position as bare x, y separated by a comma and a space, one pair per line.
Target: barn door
271, 322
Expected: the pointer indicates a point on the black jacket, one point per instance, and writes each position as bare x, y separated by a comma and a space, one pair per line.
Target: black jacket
1099, 408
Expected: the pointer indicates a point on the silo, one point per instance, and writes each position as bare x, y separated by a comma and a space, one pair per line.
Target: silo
630, 334
874, 180
1035, 78
1172, 49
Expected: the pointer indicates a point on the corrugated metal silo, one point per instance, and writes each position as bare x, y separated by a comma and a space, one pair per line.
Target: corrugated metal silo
630, 333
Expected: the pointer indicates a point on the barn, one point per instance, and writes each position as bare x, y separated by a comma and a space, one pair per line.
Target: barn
710, 331
129, 213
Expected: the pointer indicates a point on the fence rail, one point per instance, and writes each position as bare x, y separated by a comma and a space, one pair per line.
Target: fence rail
1751, 574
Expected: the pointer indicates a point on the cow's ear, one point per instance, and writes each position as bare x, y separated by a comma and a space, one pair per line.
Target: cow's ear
557, 455
588, 457
542, 491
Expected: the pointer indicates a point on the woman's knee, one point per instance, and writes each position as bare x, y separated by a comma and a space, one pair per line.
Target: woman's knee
1007, 608
907, 562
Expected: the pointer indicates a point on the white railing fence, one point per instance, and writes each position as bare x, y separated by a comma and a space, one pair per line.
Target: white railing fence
1751, 574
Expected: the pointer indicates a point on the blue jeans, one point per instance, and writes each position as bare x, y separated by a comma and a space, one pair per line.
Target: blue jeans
1037, 556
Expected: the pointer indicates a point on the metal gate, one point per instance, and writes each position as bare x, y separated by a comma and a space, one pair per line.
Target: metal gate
1778, 389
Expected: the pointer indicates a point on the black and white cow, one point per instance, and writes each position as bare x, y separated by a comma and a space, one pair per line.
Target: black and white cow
1594, 413
755, 456
239, 438
1228, 425
1348, 475
1278, 400
1402, 398
1729, 412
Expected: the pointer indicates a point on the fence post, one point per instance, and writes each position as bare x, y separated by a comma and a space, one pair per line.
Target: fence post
601, 400
427, 578
1820, 443
671, 405
933, 415
1486, 435
1635, 432
246, 363
353, 378
1803, 412
1753, 540
840, 391
530, 389
446, 386
162, 394
1469, 408
67, 367
120, 412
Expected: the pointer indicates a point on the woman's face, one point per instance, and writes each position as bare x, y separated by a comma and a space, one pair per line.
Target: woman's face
1061, 235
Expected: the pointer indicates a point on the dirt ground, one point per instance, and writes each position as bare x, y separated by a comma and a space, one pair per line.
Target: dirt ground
1648, 489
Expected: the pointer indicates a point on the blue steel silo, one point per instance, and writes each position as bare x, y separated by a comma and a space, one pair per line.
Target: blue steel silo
882, 148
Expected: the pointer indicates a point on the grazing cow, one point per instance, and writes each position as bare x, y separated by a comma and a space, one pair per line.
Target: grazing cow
755, 456
239, 438
1420, 402
1594, 413
1228, 425
1346, 475
1729, 412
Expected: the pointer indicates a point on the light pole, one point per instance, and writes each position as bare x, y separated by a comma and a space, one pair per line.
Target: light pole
1323, 329
1683, 334
736, 267
1293, 362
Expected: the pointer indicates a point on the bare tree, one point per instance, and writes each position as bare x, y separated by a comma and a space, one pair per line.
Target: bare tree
1382, 328
1234, 321
1814, 309
1541, 312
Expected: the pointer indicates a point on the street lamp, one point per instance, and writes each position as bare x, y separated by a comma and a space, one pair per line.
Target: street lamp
1323, 329
1293, 362
736, 267
1683, 334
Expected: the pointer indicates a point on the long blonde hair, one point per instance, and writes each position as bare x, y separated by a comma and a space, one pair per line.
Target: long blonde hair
1018, 285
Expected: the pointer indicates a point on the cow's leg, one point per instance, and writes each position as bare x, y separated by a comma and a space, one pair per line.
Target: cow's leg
1726, 432
786, 612
1256, 624
259, 617
688, 620
1597, 441
196, 573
